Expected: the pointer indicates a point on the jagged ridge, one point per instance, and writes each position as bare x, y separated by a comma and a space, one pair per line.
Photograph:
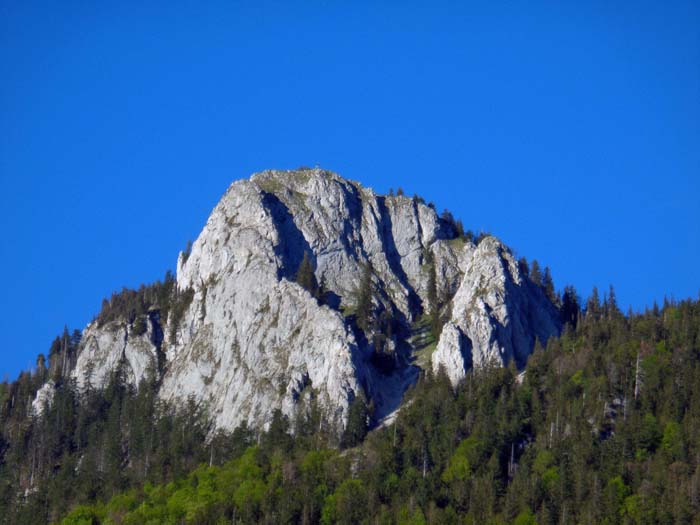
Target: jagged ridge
252, 340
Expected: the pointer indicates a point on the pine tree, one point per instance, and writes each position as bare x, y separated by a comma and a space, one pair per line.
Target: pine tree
459, 229
570, 308
447, 218
358, 420
187, 251
364, 308
41, 368
523, 266
306, 276
432, 296
548, 286
535, 273
593, 305
613, 311
277, 436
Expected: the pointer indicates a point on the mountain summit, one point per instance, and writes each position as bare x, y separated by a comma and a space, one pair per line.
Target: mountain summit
305, 288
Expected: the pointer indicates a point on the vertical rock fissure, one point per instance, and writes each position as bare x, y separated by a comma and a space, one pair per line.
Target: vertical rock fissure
292, 243
394, 258
157, 341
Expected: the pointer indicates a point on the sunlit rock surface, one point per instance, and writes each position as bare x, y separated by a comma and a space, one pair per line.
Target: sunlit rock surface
252, 340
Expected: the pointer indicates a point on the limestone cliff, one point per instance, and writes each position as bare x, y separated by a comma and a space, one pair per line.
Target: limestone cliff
252, 340
496, 315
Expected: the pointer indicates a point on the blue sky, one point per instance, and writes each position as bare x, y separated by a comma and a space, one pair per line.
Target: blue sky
569, 129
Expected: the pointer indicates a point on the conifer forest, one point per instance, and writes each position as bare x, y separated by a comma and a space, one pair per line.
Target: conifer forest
603, 426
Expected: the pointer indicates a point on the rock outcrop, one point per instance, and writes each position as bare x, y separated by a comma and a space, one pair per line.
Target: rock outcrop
250, 340
104, 348
496, 315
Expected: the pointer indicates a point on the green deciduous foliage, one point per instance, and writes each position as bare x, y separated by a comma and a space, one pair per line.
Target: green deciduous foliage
526, 517
347, 505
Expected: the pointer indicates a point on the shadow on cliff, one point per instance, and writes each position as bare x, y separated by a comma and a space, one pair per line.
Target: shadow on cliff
292, 243
382, 383
394, 258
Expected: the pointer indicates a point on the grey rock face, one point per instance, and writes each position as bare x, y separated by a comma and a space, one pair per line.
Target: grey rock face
496, 315
44, 398
105, 348
252, 340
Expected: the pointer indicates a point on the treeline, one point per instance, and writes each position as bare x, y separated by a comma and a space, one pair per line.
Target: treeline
452, 226
604, 427
133, 306
130, 304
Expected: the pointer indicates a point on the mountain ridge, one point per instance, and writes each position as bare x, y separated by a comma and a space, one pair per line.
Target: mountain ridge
248, 340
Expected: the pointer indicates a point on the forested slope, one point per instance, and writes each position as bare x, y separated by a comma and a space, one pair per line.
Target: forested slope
604, 427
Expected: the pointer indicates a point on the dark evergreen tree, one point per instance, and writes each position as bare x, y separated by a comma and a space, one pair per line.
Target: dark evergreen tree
548, 286
593, 305
459, 229
364, 309
433, 309
277, 436
358, 423
612, 310
187, 251
306, 276
535, 273
523, 266
570, 308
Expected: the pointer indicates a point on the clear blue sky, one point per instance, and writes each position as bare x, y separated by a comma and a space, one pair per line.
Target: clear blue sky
569, 129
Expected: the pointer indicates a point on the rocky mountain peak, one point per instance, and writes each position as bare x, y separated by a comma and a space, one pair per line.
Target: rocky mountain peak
245, 338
